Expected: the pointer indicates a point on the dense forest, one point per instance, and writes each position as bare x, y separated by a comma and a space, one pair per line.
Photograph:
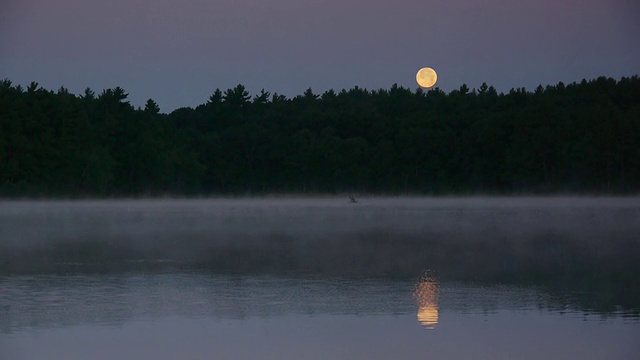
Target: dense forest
565, 138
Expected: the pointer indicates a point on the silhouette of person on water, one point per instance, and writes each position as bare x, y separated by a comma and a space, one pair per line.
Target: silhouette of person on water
353, 199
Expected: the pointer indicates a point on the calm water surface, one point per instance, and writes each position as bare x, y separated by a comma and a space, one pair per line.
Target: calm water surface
389, 278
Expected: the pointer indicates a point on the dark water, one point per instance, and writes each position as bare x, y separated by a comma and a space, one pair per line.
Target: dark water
321, 278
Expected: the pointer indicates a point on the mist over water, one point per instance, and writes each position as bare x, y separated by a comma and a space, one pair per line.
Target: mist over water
459, 237
386, 267
590, 243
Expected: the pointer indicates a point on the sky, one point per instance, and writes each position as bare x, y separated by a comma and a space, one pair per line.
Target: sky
177, 52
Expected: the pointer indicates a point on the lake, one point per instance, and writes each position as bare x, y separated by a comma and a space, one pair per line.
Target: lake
321, 278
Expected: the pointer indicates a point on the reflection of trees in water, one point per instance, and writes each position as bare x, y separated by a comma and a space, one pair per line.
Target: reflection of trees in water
67, 300
426, 296
603, 282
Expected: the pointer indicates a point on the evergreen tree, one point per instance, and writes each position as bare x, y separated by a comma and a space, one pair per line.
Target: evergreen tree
577, 137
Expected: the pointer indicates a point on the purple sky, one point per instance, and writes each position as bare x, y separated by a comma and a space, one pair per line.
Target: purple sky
178, 51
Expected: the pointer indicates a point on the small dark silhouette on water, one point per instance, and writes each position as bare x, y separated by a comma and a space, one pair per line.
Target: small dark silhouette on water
352, 199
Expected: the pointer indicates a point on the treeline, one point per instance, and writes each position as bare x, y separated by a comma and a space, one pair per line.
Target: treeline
576, 138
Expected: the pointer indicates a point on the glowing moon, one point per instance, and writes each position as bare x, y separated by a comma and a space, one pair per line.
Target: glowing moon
426, 77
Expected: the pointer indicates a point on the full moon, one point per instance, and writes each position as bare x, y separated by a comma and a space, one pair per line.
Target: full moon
426, 77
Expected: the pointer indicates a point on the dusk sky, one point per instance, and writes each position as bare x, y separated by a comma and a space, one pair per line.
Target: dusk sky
179, 52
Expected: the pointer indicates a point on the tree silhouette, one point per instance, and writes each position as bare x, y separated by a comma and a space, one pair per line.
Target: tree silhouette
578, 137
151, 107
236, 98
